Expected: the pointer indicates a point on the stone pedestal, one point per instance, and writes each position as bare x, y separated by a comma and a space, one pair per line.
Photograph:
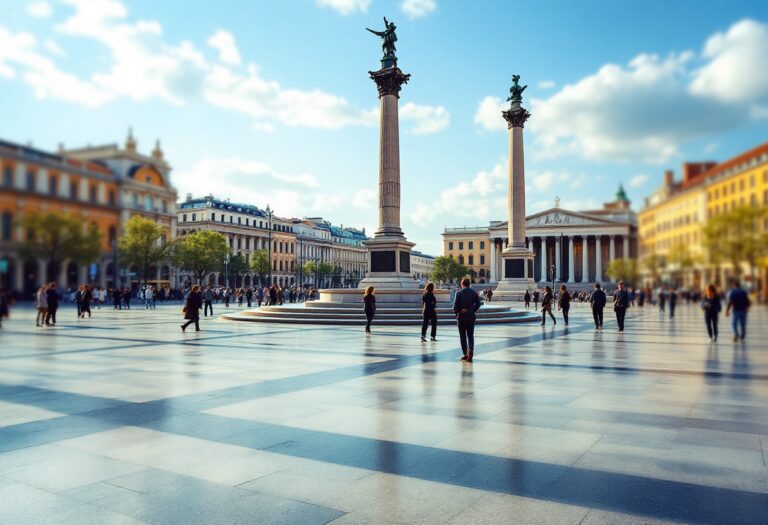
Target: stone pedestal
517, 259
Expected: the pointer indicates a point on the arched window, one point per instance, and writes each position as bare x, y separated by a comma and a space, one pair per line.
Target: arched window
30, 181
149, 203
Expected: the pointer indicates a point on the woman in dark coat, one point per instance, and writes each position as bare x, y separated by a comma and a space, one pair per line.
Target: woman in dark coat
546, 305
429, 312
564, 302
192, 308
712, 307
369, 305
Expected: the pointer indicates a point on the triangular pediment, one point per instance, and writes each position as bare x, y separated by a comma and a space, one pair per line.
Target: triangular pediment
561, 217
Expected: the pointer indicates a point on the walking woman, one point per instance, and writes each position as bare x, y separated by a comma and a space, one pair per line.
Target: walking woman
41, 304
712, 307
546, 306
527, 299
429, 312
192, 308
564, 302
369, 305
85, 301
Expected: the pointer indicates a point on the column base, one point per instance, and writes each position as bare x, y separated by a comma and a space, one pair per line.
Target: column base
389, 264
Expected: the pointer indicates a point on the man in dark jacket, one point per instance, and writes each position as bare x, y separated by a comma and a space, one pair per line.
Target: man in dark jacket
465, 304
53, 304
620, 304
738, 304
598, 301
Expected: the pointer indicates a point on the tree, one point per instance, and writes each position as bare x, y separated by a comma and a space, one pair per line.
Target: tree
681, 258
57, 237
237, 266
447, 270
201, 252
142, 245
260, 264
623, 270
653, 264
738, 236
320, 269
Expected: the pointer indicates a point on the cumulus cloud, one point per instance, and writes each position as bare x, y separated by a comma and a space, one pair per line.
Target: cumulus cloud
417, 8
224, 43
40, 9
345, 7
637, 181
365, 199
545, 84
144, 66
426, 119
736, 70
488, 114
645, 110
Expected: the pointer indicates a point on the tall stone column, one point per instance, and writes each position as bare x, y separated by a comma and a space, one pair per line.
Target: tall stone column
517, 258
389, 253
543, 276
584, 259
598, 258
571, 265
493, 261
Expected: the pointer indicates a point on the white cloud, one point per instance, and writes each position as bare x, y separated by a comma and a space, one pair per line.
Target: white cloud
736, 71
418, 8
488, 114
224, 43
637, 181
144, 66
365, 199
54, 48
426, 119
545, 84
40, 9
345, 7
254, 182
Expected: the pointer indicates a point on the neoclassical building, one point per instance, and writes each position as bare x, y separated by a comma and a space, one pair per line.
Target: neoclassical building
577, 246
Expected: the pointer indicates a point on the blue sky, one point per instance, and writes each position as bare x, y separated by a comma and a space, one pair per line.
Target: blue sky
270, 102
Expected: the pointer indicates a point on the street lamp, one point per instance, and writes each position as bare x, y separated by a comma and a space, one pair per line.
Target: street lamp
553, 278
269, 215
226, 270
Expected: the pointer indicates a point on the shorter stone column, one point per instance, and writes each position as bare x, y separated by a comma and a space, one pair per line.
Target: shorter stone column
584, 259
571, 265
543, 276
558, 249
494, 275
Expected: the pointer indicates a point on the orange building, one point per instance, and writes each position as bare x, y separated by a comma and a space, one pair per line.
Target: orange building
37, 181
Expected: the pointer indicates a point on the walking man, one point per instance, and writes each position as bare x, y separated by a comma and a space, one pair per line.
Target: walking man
208, 301
620, 304
597, 302
465, 304
738, 303
672, 301
564, 302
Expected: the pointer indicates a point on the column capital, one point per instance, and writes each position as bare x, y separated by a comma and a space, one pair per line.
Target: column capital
389, 80
516, 117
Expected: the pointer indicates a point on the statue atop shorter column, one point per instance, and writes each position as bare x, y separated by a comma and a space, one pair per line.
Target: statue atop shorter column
516, 92
388, 39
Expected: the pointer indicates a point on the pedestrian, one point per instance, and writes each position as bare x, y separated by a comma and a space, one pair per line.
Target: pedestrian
428, 312
465, 304
41, 304
192, 308
564, 303
527, 299
249, 296
227, 296
148, 297
208, 301
239, 295
712, 307
260, 295
87, 297
620, 304
490, 295
117, 299
546, 306
53, 304
5, 305
79, 301
535, 299
662, 300
672, 301
369, 306
273, 295
738, 303
597, 301
127, 298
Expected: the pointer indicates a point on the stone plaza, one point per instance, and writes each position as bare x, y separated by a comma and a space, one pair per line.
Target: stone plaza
123, 418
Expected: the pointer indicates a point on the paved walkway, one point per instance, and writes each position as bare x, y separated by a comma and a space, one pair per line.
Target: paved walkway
124, 419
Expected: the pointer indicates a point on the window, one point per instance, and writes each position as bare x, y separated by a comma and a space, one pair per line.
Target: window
239, 220
231, 219
223, 218
741, 185
471, 245
482, 259
281, 265
7, 177
194, 217
73, 190
92, 194
461, 245
247, 221
111, 198
164, 206
461, 259
239, 243
184, 218
6, 229
482, 245
274, 246
112, 235
751, 181
450, 245
149, 203
281, 247
134, 201
30, 181
471, 260
213, 216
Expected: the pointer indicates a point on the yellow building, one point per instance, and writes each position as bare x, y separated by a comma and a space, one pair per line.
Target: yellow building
671, 222
470, 247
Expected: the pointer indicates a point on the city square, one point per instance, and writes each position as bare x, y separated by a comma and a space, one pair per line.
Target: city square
123, 419
457, 280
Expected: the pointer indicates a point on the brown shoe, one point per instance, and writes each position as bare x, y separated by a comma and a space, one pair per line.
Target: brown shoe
470, 356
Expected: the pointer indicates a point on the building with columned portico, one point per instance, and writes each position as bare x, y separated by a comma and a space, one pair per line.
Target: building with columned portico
577, 245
